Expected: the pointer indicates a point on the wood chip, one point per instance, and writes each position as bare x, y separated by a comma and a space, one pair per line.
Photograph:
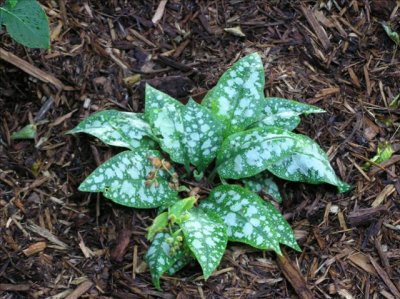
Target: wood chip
31, 69
388, 190
318, 29
385, 278
80, 290
35, 248
159, 12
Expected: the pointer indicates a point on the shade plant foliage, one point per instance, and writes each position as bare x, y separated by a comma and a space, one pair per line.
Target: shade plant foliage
236, 142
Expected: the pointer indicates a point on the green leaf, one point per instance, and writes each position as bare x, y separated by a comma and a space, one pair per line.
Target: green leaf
238, 98
11, 3
202, 134
263, 182
249, 219
248, 153
206, 237
179, 208
27, 23
160, 259
285, 113
307, 163
27, 132
190, 134
182, 262
287, 155
123, 180
394, 36
124, 129
159, 223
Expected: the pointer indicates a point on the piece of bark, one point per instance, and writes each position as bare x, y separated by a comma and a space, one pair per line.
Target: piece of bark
385, 278
9, 287
175, 86
294, 276
172, 63
30, 69
80, 290
120, 249
365, 216
35, 248
317, 28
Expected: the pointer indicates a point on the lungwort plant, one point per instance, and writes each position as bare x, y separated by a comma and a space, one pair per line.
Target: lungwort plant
236, 139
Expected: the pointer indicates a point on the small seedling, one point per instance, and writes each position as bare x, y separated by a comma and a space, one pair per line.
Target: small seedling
26, 22
237, 139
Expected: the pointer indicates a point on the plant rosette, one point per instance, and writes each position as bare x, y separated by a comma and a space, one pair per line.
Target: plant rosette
246, 138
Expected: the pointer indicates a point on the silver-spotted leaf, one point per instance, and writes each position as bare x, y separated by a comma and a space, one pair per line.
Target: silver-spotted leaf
263, 182
26, 22
160, 258
248, 153
202, 134
285, 113
206, 237
238, 98
184, 259
307, 163
250, 219
124, 129
123, 180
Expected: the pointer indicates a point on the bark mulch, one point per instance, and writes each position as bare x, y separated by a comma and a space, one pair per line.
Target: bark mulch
56, 242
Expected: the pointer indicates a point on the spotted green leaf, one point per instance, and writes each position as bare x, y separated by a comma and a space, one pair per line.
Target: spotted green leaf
250, 219
248, 153
160, 258
124, 129
307, 163
238, 98
284, 113
190, 134
182, 262
122, 179
287, 155
263, 182
26, 22
206, 237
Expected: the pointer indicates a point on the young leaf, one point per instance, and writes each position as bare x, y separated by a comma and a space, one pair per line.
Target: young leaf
124, 129
263, 182
249, 219
160, 259
238, 98
394, 36
285, 113
27, 23
202, 134
123, 180
206, 237
176, 211
159, 223
307, 163
27, 132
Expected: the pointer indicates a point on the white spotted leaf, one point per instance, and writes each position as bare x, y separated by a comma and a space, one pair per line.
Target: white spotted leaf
248, 153
307, 163
202, 134
124, 129
190, 134
287, 155
122, 179
263, 182
160, 258
249, 219
238, 98
285, 113
206, 237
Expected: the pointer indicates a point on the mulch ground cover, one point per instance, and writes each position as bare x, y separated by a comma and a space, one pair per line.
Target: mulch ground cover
56, 242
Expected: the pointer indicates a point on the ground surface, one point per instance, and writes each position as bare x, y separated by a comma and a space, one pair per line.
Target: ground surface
335, 54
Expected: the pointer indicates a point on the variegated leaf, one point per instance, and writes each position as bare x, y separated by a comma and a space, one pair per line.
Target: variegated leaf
190, 134
206, 237
160, 258
117, 128
285, 113
202, 134
249, 219
238, 98
248, 153
263, 182
307, 163
122, 179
